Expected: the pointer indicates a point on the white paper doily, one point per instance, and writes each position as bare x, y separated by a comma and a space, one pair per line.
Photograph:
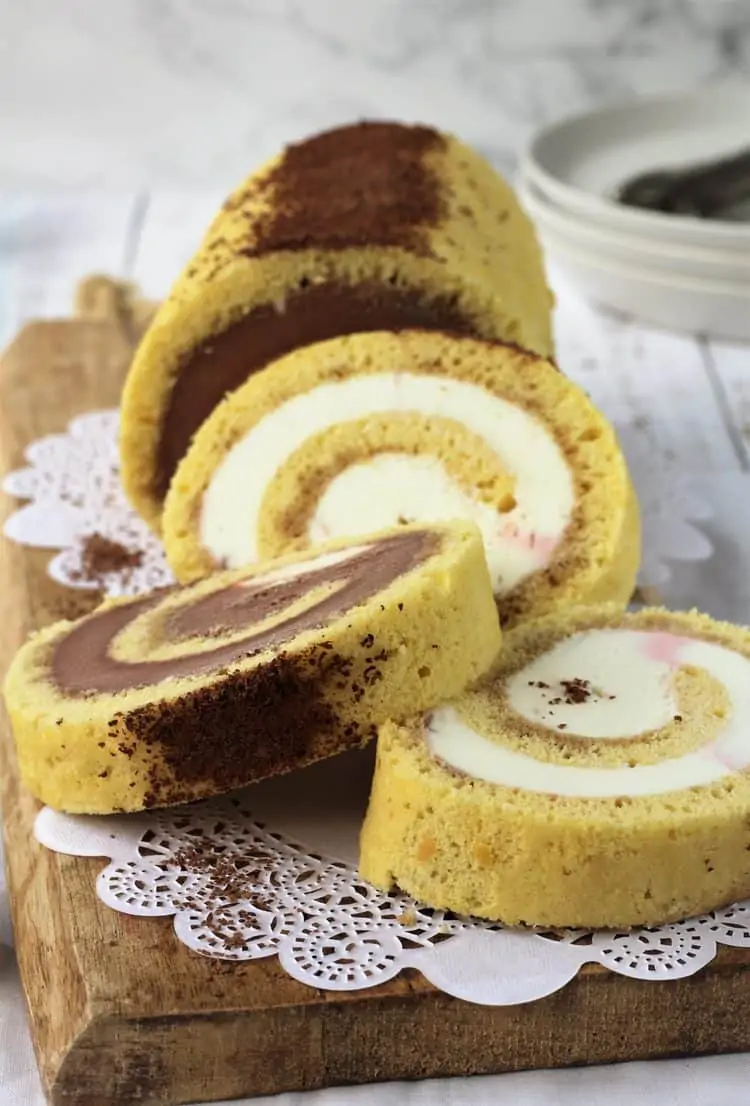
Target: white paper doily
671, 513
272, 871
74, 490
240, 885
73, 486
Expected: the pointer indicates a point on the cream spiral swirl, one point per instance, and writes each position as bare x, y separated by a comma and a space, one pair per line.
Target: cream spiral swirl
392, 486
607, 685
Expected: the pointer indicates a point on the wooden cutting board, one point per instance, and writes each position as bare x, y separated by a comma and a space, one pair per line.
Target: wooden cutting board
121, 1012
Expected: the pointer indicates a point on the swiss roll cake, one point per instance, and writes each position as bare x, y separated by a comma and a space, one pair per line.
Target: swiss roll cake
374, 226
599, 778
375, 430
190, 692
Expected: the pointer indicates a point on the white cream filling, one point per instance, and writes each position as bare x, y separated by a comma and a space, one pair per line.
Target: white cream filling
638, 668
630, 691
394, 487
385, 490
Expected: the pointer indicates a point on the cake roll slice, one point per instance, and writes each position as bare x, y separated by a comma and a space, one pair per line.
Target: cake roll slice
600, 778
191, 692
374, 226
373, 430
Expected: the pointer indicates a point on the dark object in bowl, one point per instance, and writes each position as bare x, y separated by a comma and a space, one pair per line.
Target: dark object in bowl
714, 190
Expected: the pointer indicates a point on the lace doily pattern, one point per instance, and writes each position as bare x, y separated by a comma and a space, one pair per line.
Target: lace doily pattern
73, 487
239, 891
672, 512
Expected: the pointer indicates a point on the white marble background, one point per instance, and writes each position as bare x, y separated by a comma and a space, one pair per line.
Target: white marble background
148, 93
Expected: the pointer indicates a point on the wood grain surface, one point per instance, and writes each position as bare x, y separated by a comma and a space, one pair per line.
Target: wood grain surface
121, 1012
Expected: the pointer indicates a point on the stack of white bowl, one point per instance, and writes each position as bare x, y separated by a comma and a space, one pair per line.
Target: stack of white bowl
675, 271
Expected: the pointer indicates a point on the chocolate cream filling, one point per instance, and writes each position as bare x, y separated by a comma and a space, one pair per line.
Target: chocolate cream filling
311, 314
81, 663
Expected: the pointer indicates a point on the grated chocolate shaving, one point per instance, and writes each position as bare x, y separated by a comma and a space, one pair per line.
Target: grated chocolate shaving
101, 556
230, 877
576, 690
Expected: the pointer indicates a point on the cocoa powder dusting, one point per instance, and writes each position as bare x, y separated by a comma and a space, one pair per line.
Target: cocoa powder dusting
101, 556
361, 185
258, 724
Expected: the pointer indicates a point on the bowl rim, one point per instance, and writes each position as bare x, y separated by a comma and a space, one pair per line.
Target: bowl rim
735, 290
590, 203
546, 211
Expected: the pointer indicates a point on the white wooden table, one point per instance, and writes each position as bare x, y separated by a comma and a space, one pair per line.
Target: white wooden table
684, 402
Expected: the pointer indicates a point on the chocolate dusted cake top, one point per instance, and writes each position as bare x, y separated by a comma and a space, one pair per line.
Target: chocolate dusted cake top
362, 185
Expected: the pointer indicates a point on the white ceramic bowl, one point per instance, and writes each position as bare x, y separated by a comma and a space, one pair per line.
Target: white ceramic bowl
719, 309
579, 162
576, 232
